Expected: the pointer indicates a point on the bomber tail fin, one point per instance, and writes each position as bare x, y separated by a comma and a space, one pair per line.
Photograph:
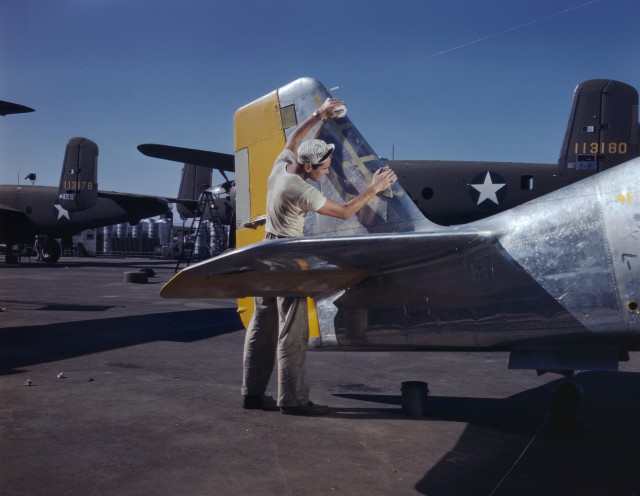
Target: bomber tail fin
78, 189
603, 127
195, 180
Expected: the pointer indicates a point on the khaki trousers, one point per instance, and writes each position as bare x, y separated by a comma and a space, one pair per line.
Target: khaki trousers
279, 329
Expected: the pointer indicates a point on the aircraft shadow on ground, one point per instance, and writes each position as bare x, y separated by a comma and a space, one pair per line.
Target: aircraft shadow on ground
513, 414
599, 459
68, 307
24, 346
125, 263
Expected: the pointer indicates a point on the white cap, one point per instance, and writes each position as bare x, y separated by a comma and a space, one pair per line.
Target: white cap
314, 151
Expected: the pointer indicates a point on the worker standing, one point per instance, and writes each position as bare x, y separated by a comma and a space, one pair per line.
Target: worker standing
279, 327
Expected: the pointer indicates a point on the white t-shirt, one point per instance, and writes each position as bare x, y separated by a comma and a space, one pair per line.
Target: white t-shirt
289, 198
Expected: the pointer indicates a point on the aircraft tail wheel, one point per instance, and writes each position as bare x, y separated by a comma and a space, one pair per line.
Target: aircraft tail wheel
51, 251
568, 407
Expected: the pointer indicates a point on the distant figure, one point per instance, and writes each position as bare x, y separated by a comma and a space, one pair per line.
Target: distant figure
37, 247
81, 250
31, 177
279, 326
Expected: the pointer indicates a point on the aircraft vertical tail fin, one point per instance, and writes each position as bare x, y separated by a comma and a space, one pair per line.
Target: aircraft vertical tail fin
78, 189
603, 127
195, 180
261, 129
260, 132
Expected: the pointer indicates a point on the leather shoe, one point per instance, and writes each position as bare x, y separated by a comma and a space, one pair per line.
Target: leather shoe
310, 410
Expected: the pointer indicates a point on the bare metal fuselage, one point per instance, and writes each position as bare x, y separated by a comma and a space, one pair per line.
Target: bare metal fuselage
556, 280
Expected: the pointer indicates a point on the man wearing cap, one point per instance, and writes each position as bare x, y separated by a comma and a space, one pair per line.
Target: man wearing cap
279, 326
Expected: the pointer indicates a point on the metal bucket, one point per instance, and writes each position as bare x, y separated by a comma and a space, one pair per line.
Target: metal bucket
414, 398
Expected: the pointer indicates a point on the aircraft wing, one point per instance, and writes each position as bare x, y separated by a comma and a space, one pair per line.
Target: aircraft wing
7, 208
215, 160
7, 108
132, 200
11, 219
191, 204
315, 266
139, 206
117, 196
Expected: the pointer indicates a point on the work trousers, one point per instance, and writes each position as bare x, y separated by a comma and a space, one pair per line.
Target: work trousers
279, 329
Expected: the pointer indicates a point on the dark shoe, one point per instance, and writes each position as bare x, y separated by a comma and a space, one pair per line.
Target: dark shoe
259, 403
310, 409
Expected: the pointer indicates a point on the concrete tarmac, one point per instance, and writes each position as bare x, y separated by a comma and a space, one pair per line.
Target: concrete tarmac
135, 395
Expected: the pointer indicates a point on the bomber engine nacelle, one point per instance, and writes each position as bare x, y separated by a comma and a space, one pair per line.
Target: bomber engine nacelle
603, 127
78, 188
222, 202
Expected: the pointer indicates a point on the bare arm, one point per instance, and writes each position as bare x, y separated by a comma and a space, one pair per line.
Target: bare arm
382, 179
326, 111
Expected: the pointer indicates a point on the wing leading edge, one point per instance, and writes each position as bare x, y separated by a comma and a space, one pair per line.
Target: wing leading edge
315, 266
214, 160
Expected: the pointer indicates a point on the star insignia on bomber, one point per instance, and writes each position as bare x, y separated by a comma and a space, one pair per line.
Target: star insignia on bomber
61, 212
488, 187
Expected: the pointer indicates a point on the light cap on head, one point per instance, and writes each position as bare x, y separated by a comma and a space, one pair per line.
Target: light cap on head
314, 151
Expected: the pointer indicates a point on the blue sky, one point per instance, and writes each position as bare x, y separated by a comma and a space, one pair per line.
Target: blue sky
126, 72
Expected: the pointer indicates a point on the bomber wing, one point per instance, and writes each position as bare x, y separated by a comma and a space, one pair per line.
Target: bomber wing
130, 200
115, 195
7, 108
12, 219
315, 266
139, 206
215, 160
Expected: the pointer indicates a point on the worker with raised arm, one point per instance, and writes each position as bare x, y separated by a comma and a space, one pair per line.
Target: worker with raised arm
279, 327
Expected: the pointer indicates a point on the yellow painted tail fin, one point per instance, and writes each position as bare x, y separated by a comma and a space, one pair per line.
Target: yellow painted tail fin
260, 132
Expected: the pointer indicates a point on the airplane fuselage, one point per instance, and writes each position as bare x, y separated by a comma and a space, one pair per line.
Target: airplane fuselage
36, 210
458, 192
602, 132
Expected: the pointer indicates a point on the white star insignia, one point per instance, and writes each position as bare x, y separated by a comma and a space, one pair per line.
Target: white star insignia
488, 190
62, 212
